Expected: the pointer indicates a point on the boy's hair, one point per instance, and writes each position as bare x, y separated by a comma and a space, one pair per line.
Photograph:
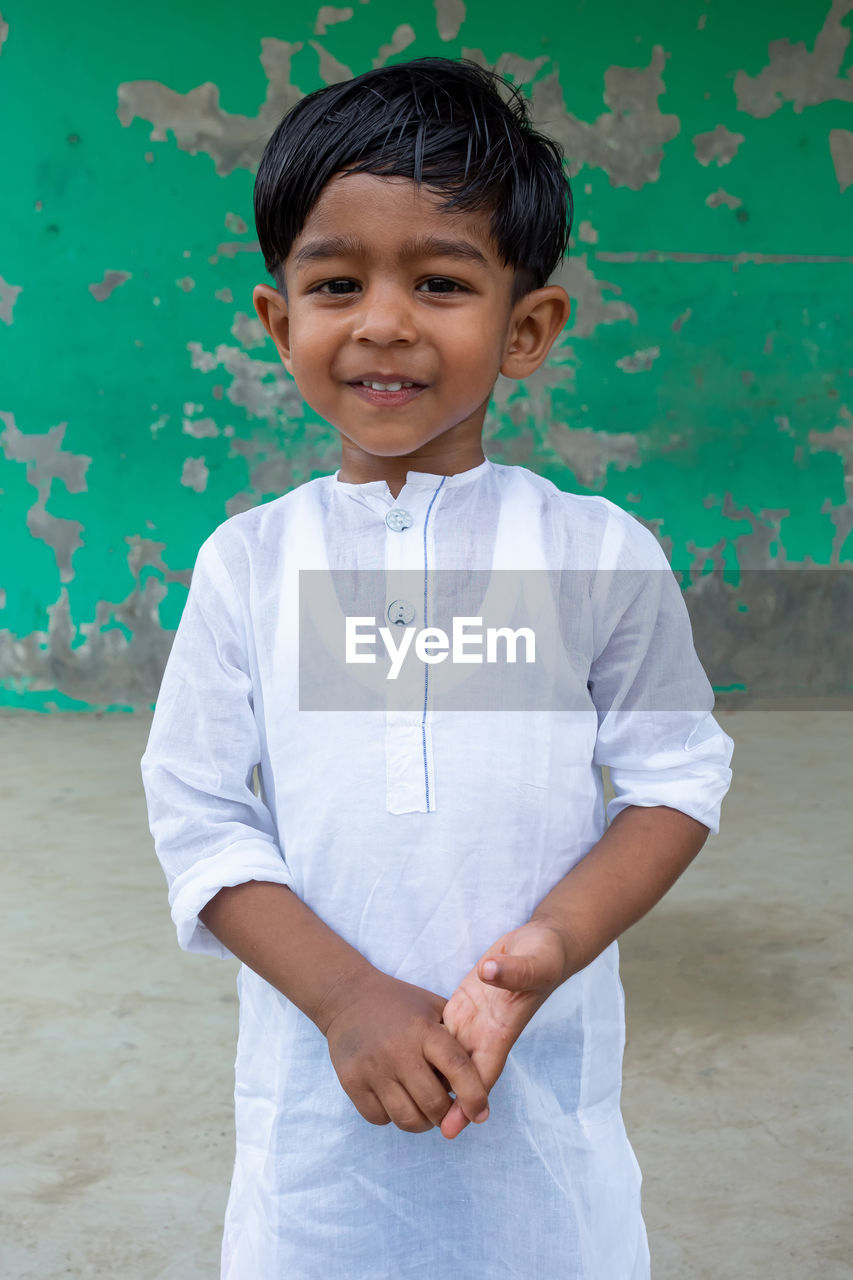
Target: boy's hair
458, 128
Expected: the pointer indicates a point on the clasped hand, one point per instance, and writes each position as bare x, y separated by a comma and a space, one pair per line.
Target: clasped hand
400, 1051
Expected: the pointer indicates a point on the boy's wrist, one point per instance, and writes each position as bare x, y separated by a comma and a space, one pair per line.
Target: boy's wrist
572, 957
348, 983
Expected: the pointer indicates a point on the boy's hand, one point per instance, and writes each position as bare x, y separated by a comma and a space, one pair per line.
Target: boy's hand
495, 1001
397, 1061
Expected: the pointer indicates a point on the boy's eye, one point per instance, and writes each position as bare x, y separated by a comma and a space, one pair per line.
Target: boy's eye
337, 286
440, 284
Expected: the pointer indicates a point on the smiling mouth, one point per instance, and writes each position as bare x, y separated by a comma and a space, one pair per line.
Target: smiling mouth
391, 394
386, 386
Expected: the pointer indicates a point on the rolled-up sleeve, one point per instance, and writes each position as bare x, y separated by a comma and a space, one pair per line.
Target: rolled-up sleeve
210, 830
656, 731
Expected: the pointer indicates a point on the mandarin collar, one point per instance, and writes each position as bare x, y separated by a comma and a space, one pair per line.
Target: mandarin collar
414, 480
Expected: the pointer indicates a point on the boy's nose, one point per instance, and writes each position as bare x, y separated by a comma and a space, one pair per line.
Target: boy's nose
384, 316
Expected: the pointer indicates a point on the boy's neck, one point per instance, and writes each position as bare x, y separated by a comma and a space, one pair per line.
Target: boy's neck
358, 467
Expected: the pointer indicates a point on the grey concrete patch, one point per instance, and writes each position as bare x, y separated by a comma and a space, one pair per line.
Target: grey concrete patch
101, 290
627, 141
720, 144
795, 73
8, 297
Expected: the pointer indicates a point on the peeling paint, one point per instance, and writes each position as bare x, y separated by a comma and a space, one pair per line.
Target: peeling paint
230, 249
249, 331
194, 474
8, 297
841, 150
587, 233
589, 453
47, 461
720, 196
331, 71
235, 223
403, 36
328, 16
756, 548
274, 466
681, 320
4, 32
224, 295
590, 308
106, 667
186, 283
838, 440
199, 123
45, 458
449, 16
639, 361
720, 144
736, 259
263, 388
200, 428
627, 141
111, 280
796, 74
62, 536
520, 70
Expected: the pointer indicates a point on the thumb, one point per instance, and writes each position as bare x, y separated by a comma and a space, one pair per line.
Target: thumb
513, 973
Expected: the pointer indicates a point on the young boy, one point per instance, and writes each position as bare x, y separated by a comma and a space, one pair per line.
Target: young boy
425, 899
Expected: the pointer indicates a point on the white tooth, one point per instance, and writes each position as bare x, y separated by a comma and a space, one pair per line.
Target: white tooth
386, 386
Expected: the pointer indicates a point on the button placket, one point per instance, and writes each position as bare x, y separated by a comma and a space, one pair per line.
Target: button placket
408, 739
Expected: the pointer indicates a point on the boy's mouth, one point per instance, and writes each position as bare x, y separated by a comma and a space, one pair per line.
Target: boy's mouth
390, 391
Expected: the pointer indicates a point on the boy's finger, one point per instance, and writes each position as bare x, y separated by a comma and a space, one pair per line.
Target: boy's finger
368, 1105
445, 1053
423, 1085
402, 1109
513, 973
454, 1122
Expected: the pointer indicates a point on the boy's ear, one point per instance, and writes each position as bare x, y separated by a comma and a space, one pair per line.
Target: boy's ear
272, 311
537, 319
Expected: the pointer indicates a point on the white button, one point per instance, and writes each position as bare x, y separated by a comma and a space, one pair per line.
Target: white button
398, 519
400, 612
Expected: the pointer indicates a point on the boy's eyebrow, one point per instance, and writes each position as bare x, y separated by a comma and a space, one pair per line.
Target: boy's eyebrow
420, 247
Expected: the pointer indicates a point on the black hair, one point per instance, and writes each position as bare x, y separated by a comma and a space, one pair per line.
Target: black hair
459, 128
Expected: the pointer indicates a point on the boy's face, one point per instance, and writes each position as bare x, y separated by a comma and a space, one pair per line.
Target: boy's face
382, 286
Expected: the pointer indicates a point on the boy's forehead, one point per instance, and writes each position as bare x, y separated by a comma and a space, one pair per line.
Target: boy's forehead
374, 209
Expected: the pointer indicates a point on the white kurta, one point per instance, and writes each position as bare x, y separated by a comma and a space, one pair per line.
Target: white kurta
421, 837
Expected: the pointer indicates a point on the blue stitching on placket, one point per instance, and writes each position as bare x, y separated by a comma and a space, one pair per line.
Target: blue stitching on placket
426, 664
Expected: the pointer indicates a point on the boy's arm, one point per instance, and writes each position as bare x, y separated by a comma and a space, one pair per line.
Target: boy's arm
230, 883
669, 766
386, 1038
638, 858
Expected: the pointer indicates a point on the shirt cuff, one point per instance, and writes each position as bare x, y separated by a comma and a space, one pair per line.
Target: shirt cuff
700, 798
190, 892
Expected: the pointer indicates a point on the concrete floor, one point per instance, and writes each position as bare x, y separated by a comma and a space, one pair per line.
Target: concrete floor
117, 1048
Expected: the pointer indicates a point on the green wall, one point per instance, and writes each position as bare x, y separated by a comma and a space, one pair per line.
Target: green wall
705, 381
